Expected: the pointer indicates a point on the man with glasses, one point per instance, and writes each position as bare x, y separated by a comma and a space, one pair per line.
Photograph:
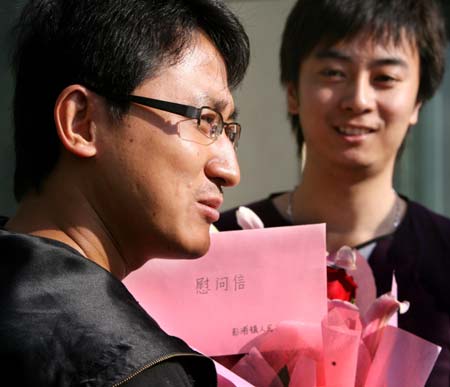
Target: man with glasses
124, 137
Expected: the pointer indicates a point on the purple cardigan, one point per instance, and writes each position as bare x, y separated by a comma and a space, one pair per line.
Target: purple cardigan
419, 252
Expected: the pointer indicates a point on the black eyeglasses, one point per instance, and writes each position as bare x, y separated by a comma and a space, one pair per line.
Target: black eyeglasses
210, 123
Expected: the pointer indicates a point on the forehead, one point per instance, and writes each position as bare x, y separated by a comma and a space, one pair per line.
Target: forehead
199, 78
362, 48
367, 41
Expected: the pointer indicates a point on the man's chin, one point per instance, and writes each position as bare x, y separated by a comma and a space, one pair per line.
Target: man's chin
194, 252
191, 247
180, 245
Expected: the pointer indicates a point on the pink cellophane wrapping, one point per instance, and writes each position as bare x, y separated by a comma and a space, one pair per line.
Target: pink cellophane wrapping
375, 355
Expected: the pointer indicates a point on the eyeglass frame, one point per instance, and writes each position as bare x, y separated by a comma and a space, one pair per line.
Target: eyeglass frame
189, 112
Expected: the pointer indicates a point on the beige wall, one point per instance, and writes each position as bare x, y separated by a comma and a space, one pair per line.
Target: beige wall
267, 151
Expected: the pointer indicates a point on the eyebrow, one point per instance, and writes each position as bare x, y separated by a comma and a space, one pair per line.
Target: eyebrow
220, 105
331, 53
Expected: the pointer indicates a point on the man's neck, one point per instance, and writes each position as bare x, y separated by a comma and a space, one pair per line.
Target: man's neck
74, 224
355, 210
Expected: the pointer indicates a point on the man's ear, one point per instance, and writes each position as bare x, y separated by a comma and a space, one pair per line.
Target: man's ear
75, 124
415, 114
292, 98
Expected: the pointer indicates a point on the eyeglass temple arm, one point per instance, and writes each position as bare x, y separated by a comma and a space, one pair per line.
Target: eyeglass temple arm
171, 107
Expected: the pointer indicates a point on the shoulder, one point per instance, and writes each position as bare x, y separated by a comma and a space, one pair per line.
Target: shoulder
420, 219
264, 208
422, 243
59, 305
424, 232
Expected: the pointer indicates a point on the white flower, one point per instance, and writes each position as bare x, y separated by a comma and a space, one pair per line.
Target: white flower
247, 219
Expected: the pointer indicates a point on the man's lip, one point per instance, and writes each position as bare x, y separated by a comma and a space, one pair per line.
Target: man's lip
210, 208
214, 202
354, 129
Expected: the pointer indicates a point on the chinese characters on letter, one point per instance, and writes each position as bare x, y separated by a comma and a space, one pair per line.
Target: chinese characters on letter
233, 283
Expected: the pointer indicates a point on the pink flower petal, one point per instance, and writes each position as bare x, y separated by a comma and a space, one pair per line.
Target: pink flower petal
344, 258
366, 293
377, 317
247, 219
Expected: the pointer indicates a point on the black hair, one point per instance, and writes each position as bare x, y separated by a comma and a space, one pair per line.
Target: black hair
314, 22
110, 46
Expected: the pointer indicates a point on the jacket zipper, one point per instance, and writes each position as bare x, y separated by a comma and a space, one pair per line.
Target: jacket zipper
153, 363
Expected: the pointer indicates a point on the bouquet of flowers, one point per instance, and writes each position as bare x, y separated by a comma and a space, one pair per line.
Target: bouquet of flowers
359, 347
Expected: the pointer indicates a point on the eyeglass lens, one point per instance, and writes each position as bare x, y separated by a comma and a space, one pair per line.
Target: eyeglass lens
209, 127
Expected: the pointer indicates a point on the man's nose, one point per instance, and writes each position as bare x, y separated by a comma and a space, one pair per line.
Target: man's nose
223, 166
359, 96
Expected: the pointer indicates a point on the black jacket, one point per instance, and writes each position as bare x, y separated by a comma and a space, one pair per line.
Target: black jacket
65, 321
